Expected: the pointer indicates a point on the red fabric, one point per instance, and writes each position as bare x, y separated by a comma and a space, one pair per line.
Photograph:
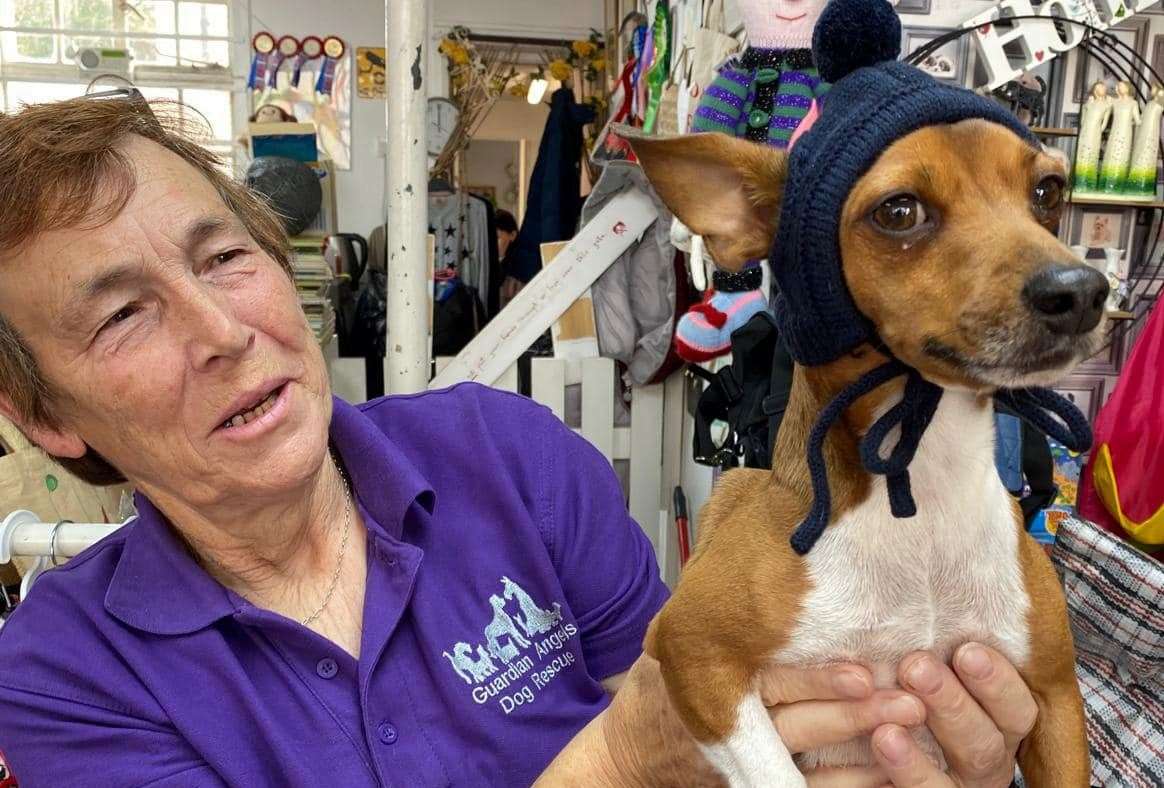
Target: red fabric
716, 318
1131, 424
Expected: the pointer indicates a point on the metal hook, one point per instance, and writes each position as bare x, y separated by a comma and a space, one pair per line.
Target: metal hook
53, 541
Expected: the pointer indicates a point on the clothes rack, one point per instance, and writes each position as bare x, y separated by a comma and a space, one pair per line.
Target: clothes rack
24, 535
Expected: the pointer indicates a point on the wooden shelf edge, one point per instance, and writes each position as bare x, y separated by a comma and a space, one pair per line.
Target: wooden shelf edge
1118, 202
1120, 316
1043, 131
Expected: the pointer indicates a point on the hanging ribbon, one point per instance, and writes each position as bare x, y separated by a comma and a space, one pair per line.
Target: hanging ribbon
288, 46
333, 50
310, 48
263, 45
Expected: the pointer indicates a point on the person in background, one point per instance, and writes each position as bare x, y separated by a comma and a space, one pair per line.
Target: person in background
506, 235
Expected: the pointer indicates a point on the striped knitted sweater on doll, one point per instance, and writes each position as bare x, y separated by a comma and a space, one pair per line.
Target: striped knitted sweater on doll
762, 95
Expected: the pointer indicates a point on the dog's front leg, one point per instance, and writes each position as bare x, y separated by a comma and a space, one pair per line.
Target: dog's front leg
718, 702
1055, 754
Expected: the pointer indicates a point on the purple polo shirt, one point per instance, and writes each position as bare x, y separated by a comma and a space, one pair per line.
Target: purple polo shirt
505, 580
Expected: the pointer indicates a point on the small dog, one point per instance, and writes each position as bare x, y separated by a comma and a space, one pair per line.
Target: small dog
947, 247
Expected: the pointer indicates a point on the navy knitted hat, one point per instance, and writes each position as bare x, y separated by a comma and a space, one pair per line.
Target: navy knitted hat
875, 101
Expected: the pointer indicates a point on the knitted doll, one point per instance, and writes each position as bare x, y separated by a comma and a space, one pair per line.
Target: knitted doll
765, 95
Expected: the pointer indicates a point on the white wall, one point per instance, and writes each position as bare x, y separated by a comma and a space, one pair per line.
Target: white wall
360, 191
487, 163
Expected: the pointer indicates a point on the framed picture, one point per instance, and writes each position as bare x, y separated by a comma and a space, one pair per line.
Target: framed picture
918, 7
370, 64
1158, 58
1089, 70
948, 63
1097, 227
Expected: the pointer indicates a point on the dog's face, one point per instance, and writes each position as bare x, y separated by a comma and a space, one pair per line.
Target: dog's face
947, 243
948, 246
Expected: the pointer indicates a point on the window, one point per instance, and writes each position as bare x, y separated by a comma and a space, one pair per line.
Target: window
178, 50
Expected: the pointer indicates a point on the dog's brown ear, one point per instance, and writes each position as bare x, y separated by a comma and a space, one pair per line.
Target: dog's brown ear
722, 188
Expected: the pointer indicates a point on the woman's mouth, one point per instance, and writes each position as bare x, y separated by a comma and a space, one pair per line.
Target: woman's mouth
253, 414
257, 418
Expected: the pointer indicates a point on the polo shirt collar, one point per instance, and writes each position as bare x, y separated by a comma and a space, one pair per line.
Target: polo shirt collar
159, 588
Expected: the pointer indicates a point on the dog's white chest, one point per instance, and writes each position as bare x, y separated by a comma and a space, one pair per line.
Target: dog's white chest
883, 587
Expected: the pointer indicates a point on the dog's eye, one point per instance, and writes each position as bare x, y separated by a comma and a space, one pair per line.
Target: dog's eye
1048, 195
901, 214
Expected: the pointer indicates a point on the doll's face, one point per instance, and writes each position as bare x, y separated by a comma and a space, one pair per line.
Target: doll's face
268, 114
788, 19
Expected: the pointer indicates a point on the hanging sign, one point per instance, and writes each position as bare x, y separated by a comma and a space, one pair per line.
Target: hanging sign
263, 44
1037, 39
310, 48
288, 46
333, 50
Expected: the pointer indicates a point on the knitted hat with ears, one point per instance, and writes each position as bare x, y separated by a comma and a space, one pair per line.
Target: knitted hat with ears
875, 100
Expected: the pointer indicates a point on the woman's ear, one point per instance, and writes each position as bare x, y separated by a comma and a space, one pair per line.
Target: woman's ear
725, 189
55, 442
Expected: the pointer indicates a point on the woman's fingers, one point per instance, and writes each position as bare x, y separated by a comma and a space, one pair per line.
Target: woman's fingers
853, 777
999, 690
975, 748
810, 724
781, 684
904, 762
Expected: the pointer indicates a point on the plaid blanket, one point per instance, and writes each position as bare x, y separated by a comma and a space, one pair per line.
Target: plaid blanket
1115, 598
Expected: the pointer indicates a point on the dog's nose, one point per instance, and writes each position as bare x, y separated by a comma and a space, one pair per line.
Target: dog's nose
1067, 299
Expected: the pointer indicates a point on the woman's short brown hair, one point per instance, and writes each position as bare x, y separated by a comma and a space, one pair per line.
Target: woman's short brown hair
62, 164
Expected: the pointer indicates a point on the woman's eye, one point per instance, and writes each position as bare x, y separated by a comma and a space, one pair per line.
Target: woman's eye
1048, 195
120, 316
902, 214
225, 257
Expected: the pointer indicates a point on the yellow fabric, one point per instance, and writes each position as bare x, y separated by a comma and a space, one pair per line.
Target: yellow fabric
1150, 531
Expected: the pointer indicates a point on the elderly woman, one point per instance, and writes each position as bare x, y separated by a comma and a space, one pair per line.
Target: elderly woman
443, 589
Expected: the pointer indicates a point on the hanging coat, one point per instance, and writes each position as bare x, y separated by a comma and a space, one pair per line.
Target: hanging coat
635, 299
555, 199
1122, 487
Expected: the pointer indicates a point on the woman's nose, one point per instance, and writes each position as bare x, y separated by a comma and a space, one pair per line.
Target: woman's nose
217, 333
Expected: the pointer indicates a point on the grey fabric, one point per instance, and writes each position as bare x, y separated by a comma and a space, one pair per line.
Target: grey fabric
634, 301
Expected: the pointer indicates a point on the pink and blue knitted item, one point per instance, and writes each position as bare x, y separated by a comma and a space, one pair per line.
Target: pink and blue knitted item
705, 332
874, 101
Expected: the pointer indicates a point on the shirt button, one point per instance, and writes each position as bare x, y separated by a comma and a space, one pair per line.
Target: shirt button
326, 668
387, 733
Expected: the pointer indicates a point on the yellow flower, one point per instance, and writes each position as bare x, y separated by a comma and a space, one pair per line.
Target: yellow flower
561, 70
460, 56
583, 48
598, 64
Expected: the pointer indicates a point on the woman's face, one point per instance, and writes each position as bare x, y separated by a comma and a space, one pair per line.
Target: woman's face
159, 327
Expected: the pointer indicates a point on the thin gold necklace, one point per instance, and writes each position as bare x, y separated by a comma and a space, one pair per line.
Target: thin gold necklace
343, 546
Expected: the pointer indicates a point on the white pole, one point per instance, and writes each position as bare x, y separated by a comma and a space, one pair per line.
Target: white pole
406, 370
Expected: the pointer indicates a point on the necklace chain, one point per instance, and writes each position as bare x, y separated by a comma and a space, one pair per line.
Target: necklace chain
343, 547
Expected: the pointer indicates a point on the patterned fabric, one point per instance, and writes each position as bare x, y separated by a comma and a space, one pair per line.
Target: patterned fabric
763, 95
1115, 598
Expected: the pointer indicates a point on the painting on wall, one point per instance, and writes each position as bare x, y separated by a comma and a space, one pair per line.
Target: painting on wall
370, 63
917, 7
1101, 228
948, 62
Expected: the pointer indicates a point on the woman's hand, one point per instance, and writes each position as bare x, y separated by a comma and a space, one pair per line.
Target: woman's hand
979, 713
814, 708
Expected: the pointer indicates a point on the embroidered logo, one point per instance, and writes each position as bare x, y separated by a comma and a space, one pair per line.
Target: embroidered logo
502, 666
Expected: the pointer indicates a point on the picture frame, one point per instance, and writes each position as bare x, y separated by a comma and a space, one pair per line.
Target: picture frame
915, 7
1089, 70
1101, 227
947, 64
1157, 59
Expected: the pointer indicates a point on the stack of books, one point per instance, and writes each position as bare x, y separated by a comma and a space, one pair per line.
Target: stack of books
313, 281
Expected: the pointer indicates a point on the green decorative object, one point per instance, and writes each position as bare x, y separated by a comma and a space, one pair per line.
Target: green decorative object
51, 482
